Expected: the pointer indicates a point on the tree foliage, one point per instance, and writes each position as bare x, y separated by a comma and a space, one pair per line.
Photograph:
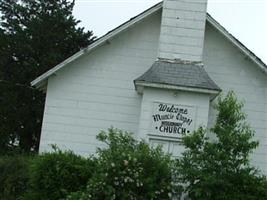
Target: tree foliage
14, 176
35, 35
220, 168
128, 169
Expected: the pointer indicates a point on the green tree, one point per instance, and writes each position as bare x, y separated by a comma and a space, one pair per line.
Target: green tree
35, 35
220, 168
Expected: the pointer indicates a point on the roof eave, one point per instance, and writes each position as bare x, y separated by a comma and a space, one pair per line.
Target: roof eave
141, 84
237, 43
43, 78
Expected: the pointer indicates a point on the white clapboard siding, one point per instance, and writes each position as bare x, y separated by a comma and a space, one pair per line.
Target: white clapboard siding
97, 91
233, 71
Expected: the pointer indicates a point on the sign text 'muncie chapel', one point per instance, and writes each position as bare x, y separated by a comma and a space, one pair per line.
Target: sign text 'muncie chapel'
172, 120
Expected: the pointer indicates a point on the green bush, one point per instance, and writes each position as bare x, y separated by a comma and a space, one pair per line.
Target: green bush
220, 169
54, 175
128, 169
14, 176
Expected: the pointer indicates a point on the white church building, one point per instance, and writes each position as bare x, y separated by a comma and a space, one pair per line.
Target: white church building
157, 75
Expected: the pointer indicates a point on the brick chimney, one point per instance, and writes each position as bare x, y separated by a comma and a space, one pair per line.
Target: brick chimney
182, 30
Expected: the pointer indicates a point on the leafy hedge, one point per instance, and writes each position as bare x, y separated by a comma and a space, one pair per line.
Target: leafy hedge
14, 176
125, 169
54, 175
50, 176
131, 169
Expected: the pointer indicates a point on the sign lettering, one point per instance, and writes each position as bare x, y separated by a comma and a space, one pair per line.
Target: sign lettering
172, 120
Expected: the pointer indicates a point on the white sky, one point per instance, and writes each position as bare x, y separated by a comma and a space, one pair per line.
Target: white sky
245, 19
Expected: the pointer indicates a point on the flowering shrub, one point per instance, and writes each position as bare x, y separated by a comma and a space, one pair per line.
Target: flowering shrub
128, 169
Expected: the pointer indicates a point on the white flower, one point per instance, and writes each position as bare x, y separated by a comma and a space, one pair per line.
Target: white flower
116, 182
170, 194
126, 162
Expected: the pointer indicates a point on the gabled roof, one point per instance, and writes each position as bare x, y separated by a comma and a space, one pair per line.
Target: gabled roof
177, 74
237, 43
40, 81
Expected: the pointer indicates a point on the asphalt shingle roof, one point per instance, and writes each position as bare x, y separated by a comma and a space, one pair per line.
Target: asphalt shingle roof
178, 74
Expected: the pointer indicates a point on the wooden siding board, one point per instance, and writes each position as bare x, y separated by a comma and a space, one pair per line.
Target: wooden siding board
232, 71
91, 95
104, 79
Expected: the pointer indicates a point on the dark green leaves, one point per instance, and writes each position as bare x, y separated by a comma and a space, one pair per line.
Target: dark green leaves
35, 35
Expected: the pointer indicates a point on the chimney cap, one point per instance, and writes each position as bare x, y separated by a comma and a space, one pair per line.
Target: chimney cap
178, 74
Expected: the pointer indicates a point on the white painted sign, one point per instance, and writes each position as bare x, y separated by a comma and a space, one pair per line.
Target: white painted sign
172, 120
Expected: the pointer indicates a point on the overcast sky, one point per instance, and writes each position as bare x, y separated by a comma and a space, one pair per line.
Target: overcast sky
245, 19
